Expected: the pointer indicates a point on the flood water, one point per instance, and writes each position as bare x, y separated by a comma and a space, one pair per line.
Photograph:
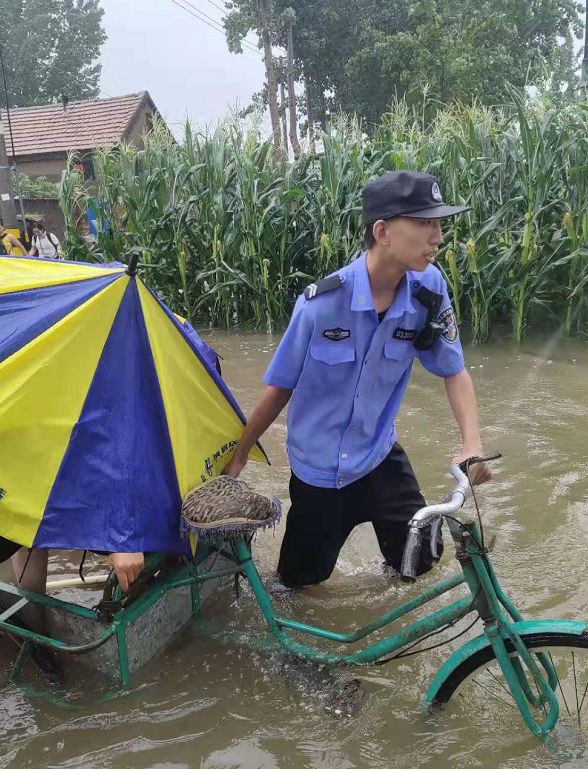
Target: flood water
220, 701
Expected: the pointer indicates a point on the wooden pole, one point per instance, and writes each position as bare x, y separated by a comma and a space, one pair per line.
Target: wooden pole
283, 108
60, 584
270, 72
584, 75
292, 94
309, 115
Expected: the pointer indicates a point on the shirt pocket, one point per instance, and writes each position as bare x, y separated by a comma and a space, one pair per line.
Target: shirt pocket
398, 356
332, 353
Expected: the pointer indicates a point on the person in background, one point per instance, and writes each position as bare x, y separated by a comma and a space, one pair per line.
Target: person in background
45, 244
12, 245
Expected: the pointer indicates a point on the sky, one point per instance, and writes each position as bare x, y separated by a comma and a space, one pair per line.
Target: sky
156, 46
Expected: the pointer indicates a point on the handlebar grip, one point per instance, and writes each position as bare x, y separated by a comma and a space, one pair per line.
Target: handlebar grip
411, 555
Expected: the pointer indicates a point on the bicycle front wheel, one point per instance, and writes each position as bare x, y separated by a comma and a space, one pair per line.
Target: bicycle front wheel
480, 680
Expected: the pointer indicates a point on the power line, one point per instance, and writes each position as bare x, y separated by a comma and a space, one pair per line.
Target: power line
183, 7
223, 11
214, 25
245, 42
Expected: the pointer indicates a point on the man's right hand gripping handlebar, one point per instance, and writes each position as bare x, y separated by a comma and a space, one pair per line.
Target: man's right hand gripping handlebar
427, 515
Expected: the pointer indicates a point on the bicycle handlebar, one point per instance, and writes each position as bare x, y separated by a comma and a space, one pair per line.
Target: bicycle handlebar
451, 504
412, 548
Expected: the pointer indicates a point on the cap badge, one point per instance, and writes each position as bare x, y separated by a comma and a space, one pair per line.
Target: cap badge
436, 193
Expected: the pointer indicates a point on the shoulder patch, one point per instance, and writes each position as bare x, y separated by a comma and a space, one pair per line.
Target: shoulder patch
330, 283
450, 332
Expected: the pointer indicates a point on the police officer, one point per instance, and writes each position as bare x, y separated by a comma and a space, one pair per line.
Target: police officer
344, 364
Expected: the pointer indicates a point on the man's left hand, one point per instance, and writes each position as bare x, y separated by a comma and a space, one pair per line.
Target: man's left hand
127, 567
479, 473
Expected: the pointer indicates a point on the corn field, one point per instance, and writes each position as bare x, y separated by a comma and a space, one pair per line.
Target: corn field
229, 235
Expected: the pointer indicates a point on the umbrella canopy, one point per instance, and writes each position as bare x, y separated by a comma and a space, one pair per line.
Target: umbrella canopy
109, 410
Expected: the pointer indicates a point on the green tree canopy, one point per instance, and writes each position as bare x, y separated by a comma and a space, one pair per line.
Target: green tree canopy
50, 49
358, 55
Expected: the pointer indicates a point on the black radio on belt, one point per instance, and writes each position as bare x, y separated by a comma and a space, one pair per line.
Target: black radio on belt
433, 328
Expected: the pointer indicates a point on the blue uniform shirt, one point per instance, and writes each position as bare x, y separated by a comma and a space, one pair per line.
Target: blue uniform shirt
349, 372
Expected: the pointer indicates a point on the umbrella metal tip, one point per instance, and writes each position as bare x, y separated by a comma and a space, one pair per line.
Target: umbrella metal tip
132, 265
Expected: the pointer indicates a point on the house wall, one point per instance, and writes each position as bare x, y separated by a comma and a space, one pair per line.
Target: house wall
46, 209
143, 122
50, 167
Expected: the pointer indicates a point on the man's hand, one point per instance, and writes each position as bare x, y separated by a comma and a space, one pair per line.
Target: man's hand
479, 473
127, 567
264, 414
234, 466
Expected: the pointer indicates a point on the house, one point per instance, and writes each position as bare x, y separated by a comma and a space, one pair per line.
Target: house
45, 135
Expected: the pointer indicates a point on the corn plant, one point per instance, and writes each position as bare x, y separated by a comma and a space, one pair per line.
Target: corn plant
230, 234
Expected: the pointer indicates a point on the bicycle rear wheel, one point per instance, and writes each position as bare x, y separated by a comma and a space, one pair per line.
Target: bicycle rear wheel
480, 679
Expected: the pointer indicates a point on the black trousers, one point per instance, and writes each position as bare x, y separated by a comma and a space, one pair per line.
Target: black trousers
7, 549
320, 520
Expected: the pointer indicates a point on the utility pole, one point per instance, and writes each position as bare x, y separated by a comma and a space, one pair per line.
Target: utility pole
11, 212
6, 196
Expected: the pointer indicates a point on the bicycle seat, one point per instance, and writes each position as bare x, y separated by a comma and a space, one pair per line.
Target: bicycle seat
225, 507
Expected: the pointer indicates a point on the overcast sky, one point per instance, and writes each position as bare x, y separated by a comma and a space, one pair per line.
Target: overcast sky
185, 65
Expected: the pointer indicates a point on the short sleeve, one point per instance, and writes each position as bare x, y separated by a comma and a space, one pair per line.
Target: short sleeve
445, 358
286, 366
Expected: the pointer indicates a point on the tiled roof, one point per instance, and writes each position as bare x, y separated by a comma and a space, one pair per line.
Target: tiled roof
81, 126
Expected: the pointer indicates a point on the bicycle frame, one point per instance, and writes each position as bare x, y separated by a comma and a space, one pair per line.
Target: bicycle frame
504, 629
114, 626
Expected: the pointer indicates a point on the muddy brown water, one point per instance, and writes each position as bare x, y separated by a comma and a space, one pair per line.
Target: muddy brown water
219, 700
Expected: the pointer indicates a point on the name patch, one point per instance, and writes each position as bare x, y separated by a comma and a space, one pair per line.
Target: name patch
408, 334
337, 334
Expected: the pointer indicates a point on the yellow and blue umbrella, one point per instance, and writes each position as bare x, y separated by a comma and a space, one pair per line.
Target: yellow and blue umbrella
110, 412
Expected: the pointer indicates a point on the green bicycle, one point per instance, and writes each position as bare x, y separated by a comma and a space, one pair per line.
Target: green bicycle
537, 666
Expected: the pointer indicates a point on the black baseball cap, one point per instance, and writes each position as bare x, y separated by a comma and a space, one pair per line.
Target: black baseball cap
405, 193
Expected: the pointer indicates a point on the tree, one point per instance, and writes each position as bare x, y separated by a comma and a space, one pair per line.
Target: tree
50, 49
257, 15
357, 56
260, 17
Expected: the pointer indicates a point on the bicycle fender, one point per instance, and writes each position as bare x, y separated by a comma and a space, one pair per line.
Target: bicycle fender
527, 627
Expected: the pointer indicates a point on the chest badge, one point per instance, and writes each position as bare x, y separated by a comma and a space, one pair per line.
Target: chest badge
407, 334
337, 334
